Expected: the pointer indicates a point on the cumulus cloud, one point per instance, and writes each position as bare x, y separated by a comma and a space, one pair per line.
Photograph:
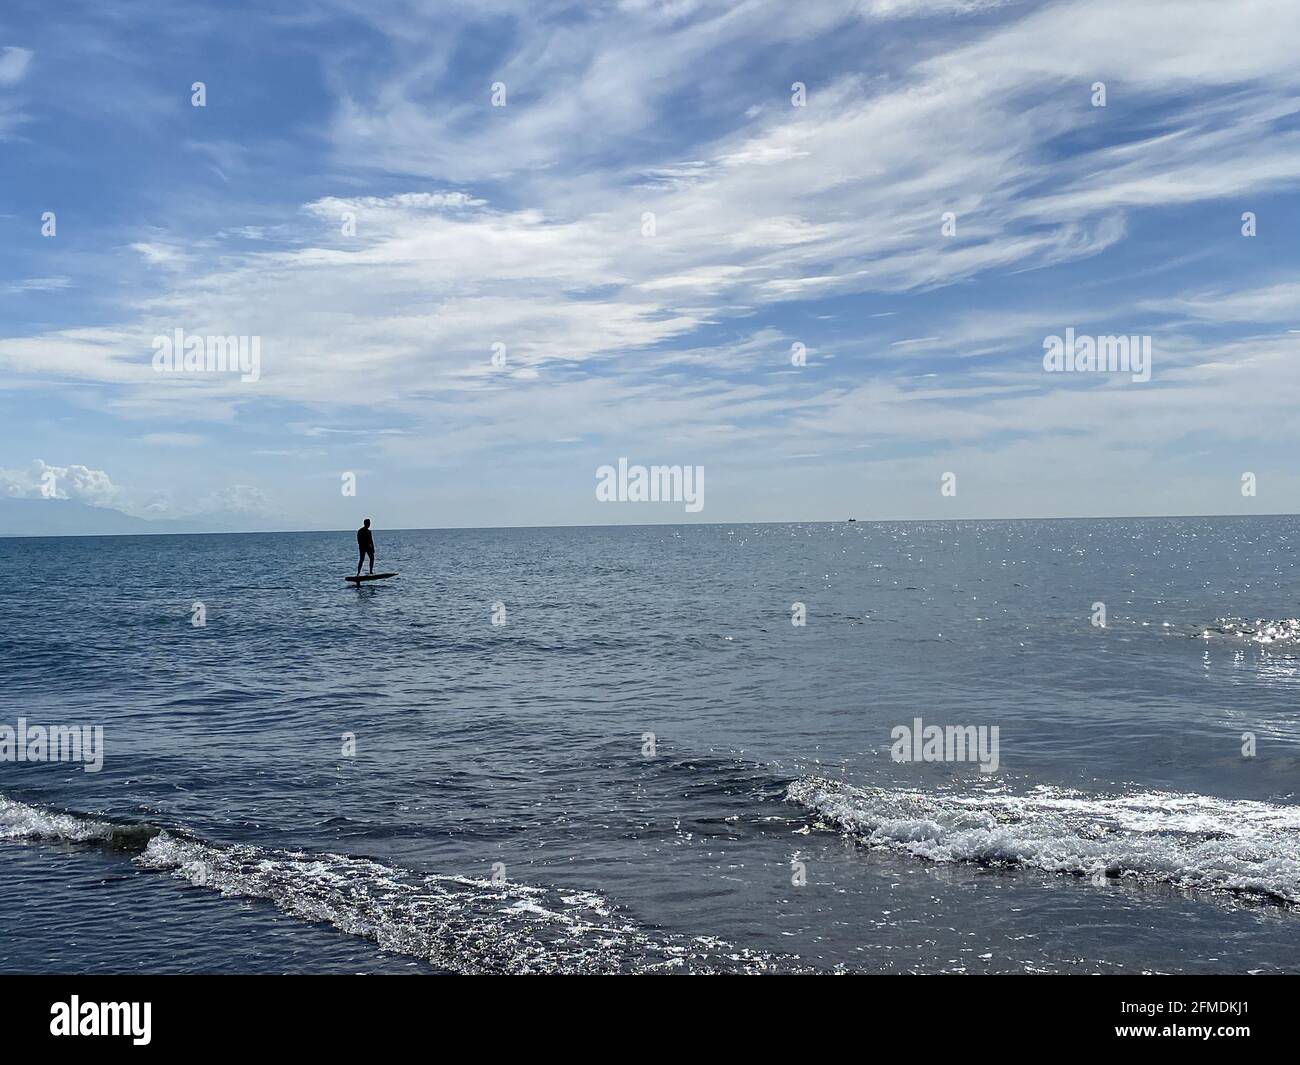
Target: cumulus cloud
44, 480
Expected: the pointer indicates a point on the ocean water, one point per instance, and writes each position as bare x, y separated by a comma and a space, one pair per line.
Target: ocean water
647, 767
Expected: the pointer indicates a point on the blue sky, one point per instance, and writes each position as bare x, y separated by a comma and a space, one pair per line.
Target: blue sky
773, 225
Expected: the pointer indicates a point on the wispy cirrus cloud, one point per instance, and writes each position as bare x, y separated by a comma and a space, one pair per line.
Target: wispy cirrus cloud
14, 63
649, 224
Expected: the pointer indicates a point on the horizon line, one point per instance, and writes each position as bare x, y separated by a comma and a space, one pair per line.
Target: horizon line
644, 525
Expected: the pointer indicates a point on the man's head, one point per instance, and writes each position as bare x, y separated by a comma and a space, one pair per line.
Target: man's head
367, 523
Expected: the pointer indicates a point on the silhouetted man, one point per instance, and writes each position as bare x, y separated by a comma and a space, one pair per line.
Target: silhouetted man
365, 546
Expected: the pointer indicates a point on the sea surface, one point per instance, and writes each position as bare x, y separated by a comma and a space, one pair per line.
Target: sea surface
645, 766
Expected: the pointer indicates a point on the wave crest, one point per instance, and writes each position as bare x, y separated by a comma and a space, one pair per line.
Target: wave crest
457, 923
1263, 630
20, 821
1190, 841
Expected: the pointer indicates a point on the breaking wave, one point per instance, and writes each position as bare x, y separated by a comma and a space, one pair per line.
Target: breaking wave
1281, 630
20, 821
1191, 841
456, 923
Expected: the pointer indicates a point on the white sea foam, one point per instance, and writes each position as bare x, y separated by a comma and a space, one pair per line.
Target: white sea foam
20, 821
457, 923
1190, 841
1262, 630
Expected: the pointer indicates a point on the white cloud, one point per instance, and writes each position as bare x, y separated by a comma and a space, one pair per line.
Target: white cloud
772, 204
884, 9
40, 284
241, 499
173, 439
842, 196
158, 254
14, 64
1271, 303
44, 480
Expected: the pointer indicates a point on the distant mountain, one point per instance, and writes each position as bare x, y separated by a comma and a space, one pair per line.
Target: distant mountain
70, 517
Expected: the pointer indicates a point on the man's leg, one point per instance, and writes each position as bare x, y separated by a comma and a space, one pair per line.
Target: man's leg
361, 557
371, 553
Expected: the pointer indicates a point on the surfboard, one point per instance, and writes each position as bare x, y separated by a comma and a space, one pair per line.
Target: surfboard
368, 577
